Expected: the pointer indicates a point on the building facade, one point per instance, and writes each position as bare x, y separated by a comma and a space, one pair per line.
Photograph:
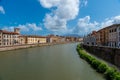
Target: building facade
108, 36
103, 36
90, 39
0, 38
9, 38
22, 39
54, 39
114, 35
31, 39
97, 36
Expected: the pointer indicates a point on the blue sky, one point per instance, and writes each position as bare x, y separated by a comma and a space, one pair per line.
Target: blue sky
42, 17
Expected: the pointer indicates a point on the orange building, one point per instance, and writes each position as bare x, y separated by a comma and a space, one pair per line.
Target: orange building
102, 36
108, 36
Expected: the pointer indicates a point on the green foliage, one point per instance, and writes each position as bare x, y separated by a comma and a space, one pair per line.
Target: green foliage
102, 68
95, 64
118, 77
110, 73
79, 47
90, 59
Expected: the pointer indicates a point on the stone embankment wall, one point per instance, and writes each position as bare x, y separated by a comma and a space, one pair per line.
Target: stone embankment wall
15, 47
7, 48
111, 55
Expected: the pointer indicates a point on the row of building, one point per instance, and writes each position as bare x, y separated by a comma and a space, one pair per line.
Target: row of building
108, 36
8, 38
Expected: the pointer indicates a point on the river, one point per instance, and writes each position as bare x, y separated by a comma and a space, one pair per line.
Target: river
57, 62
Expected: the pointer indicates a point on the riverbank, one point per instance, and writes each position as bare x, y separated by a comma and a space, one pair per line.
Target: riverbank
110, 73
111, 55
8, 48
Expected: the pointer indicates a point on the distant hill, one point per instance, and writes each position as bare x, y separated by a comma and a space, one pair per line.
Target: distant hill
73, 35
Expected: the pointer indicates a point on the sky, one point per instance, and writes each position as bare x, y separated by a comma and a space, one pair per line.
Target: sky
60, 17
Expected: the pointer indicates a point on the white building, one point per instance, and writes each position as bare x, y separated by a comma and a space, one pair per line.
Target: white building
9, 38
90, 39
114, 35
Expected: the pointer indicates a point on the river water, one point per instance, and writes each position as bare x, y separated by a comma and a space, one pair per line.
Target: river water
58, 62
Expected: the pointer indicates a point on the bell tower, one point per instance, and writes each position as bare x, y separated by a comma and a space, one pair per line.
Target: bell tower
17, 30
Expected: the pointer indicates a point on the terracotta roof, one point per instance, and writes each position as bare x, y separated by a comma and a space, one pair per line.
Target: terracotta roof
109, 27
35, 36
17, 28
8, 32
22, 36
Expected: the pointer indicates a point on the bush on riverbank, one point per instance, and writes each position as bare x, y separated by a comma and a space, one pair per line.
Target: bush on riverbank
109, 72
112, 74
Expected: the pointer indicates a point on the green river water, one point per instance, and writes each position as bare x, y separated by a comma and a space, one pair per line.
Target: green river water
57, 62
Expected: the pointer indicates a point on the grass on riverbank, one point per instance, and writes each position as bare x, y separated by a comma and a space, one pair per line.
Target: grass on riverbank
110, 73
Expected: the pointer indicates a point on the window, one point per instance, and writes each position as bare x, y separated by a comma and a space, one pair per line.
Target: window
87, 42
119, 28
110, 31
7, 40
115, 30
92, 43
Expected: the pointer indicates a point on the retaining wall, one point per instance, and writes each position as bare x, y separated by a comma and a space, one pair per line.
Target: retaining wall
111, 55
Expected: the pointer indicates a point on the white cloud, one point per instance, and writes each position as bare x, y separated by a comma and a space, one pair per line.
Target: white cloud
23, 27
54, 23
84, 26
26, 27
62, 11
11, 28
49, 3
33, 26
84, 3
2, 10
110, 21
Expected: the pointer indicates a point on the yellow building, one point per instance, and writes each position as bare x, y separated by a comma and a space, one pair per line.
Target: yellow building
0, 38
22, 40
31, 39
